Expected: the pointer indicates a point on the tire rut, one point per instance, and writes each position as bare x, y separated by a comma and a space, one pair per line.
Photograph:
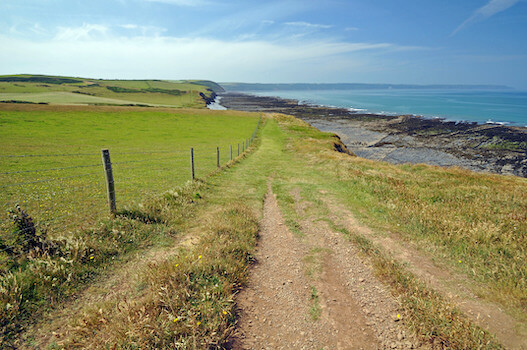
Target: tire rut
454, 287
356, 311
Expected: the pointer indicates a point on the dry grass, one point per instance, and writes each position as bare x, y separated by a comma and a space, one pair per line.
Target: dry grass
428, 314
473, 223
188, 301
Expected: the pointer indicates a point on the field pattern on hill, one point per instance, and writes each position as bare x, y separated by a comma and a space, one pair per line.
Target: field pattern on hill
63, 90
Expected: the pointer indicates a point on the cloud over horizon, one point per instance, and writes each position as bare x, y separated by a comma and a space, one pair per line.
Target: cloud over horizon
102, 52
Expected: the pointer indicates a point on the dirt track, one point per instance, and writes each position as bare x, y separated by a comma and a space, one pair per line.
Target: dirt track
278, 309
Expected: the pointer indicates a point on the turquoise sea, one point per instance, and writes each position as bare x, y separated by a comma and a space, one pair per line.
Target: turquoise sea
508, 107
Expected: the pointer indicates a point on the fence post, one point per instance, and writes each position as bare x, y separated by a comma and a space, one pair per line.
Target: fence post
217, 157
109, 179
231, 153
192, 162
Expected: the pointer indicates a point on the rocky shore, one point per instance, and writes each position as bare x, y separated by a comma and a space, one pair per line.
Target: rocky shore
406, 139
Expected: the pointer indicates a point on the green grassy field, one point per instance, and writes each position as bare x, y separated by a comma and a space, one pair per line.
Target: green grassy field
65, 90
50, 156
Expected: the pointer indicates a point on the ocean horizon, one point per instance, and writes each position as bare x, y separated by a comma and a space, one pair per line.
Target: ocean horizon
502, 107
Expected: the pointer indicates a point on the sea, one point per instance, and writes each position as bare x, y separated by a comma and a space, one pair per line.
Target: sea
499, 107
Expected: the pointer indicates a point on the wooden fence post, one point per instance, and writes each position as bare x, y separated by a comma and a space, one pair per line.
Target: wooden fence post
217, 157
192, 162
231, 153
109, 179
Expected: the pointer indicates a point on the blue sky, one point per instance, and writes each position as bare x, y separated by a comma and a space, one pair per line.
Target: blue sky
369, 41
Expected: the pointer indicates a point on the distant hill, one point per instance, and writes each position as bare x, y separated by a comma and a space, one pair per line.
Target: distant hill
28, 88
210, 84
241, 87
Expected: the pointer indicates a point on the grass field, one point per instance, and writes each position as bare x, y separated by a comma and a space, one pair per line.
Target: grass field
196, 285
50, 161
50, 165
63, 90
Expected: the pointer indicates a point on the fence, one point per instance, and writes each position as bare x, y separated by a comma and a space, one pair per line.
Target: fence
73, 190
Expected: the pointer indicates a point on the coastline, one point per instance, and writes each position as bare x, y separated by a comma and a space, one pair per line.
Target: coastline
494, 148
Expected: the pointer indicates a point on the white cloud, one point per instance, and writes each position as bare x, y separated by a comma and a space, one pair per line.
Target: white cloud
309, 25
143, 30
490, 9
38, 30
96, 51
84, 32
129, 26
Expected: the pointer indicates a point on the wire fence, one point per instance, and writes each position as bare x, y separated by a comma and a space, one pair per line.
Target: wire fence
69, 191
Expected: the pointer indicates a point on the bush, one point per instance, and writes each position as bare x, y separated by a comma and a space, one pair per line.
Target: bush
24, 238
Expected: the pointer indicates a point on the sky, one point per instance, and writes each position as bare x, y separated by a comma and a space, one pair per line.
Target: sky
268, 41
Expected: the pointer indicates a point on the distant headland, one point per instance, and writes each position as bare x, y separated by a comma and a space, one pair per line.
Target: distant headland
242, 87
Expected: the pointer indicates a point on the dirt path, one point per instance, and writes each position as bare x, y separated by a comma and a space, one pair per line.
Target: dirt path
454, 287
313, 292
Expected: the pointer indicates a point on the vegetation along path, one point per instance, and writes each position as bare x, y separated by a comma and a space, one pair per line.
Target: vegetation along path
296, 245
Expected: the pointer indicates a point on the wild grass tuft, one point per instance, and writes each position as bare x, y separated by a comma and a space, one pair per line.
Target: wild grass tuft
315, 310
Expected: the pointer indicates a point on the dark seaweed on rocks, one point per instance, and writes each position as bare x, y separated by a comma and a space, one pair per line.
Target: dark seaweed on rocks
208, 100
407, 139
